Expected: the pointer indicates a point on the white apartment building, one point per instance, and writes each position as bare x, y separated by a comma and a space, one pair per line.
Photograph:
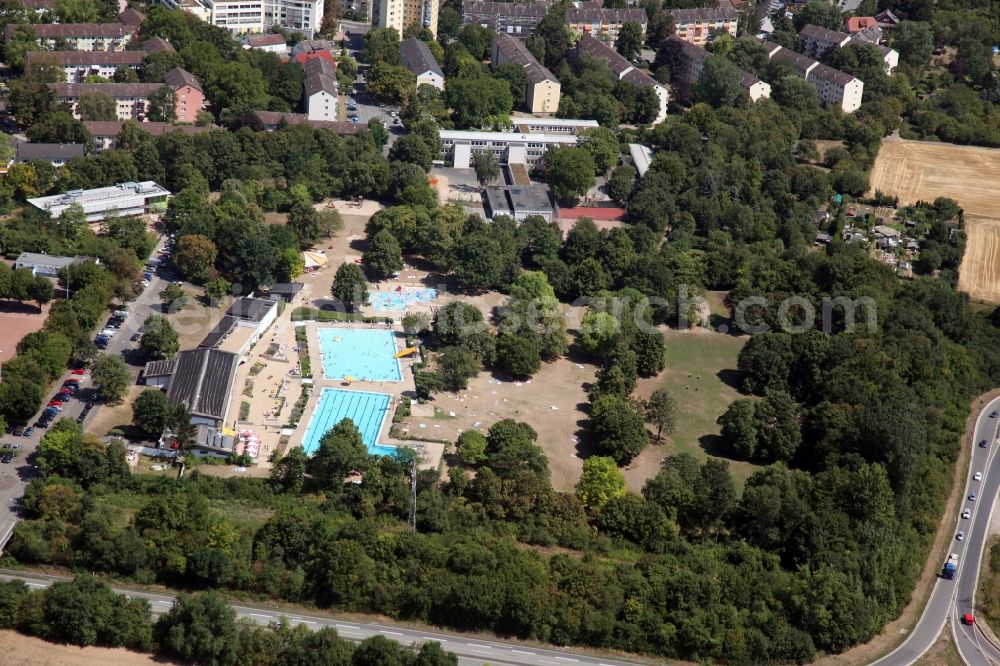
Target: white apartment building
321, 89
833, 87
417, 58
623, 70
687, 61
817, 42
120, 199
401, 14
508, 147
250, 16
79, 36
543, 89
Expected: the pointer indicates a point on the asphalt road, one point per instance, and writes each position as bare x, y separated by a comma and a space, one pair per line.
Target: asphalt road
14, 477
470, 651
950, 599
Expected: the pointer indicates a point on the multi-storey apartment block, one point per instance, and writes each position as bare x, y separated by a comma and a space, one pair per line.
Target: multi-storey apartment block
686, 62
517, 19
832, 86
623, 70
542, 94
132, 99
697, 25
401, 14
604, 24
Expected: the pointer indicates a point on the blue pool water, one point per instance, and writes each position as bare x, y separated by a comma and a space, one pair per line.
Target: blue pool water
365, 354
367, 410
398, 301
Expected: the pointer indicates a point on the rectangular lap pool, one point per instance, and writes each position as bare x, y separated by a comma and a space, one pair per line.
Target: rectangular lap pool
364, 354
367, 410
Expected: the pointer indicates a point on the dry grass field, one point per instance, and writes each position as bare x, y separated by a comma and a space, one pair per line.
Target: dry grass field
922, 171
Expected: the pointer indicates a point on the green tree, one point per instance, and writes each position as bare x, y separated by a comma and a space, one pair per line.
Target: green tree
151, 412
195, 256
340, 451
598, 332
600, 482
569, 171
719, 83
617, 427
456, 366
486, 166
739, 430
602, 144
414, 149
915, 42
159, 340
518, 355
819, 12
288, 472
471, 445
629, 42
517, 81
390, 83
476, 100
111, 377
661, 411
383, 257
173, 297
96, 106
199, 628
621, 183
350, 286
216, 290
163, 105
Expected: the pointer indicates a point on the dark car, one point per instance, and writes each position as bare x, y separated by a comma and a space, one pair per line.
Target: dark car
81, 417
7, 457
28, 431
18, 431
135, 337
984, 443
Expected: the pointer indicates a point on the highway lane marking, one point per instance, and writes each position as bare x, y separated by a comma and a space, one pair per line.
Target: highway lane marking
390, 633
566, 659
522, 652
346, 626
428, 638
257, 615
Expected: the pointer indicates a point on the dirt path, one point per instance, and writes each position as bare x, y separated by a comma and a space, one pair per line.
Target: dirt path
20, 650
894, 632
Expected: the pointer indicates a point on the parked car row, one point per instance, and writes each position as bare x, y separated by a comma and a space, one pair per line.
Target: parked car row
66, 392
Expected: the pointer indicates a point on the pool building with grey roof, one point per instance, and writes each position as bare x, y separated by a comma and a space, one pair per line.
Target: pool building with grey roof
519, 202
243, 324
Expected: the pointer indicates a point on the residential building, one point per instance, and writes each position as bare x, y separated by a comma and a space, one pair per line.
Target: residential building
48, 265
190, 96
858, 23
573, 126
56, 154
120, 199
131, 16
417, 57
284, 291
251, 16
517, 19
105, 132
623, 70
518, 202
401, 14
886, 19
200, 379
269, 121
321, 90
132, 99
697, 25
309, 49
79, 36
78, 65
686, 62
604, 24
270, 42
542, 91
816, 42
508, 147
832, 86
242, 325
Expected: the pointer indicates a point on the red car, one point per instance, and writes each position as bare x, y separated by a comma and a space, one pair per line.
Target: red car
79, 371
968, 619
55, 403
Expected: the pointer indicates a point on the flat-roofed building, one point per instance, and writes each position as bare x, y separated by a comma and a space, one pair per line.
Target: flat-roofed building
697, 25
242, 325
254, 16
518, 202
48, 265
321, 89
105, 132
542, 91
508, 147
417, 58
305, 16
78, 36
573, 126
517, 19
623, 70
401, 14
604, 24
121, 199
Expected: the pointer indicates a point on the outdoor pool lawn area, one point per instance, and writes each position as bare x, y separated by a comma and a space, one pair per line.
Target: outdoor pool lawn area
367, 410
399, 299
364, 354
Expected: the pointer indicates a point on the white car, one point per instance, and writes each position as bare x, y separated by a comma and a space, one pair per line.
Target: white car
978, 476
960, 536
972, 497
966, 513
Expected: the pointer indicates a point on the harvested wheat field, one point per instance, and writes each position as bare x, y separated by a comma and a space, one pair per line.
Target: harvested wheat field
979, 275
21, 650
921, 170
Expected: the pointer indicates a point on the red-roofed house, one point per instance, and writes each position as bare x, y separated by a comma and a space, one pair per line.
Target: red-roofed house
859, 23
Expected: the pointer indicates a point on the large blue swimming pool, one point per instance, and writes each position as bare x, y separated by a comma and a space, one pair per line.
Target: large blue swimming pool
367, 410
366, 354
399, 300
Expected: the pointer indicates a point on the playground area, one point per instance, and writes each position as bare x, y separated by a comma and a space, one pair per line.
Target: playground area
363, 354
366, 410
400, 298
